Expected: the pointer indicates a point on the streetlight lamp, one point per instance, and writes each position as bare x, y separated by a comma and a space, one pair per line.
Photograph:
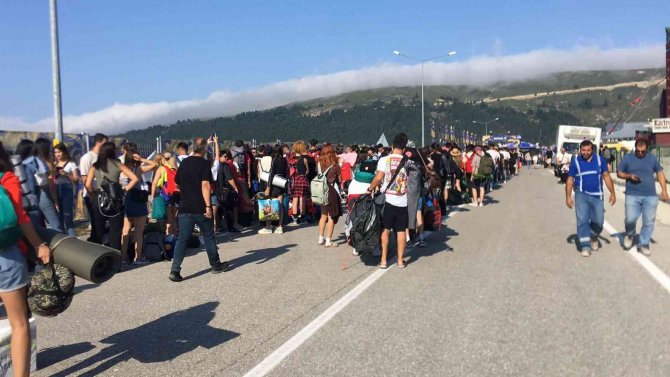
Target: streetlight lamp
423, 125
486, 124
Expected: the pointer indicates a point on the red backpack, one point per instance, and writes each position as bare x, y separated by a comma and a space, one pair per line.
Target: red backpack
170, 185
468, 163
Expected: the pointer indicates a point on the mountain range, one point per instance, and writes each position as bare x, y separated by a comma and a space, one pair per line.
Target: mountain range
532, 108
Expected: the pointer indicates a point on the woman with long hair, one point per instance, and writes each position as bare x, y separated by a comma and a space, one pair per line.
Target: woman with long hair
136, 204
14, 276
331, 212
278, 168
167, 167
299, 181
109, 167
66, 178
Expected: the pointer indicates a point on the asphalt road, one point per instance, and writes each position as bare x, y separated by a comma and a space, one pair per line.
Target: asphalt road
513, 297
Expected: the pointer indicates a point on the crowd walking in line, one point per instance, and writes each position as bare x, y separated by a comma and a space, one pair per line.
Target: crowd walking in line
187, 196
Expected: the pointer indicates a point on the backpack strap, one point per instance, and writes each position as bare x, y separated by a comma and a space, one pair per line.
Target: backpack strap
397, 171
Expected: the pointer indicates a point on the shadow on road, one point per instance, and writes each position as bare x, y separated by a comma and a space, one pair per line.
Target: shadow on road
259, 256
54, 355
572, 239
158, 341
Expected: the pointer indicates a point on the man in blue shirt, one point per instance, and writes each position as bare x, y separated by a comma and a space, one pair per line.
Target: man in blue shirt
638, 170
586, 175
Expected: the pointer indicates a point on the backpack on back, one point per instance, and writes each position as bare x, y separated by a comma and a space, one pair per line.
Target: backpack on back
110, 198
485, 165
311, 162
319, 188
365, 171
170, 185
10, 232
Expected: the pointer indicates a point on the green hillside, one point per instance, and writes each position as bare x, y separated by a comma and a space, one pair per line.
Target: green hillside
536, 109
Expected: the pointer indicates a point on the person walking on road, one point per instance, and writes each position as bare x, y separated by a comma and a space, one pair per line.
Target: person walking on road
638, 170
194, 178
586, 175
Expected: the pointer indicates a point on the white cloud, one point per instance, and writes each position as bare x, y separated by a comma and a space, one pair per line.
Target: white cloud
475, 71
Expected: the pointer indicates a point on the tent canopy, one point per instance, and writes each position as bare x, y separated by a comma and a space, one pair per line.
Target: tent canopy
382, 141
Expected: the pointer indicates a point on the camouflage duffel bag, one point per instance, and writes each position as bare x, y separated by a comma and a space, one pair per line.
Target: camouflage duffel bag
51, 290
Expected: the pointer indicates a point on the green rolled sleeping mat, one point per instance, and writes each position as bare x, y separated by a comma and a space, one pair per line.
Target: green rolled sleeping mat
90, 261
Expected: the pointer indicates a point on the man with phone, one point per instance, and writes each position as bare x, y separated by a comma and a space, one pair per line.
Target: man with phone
638, 170
586, 175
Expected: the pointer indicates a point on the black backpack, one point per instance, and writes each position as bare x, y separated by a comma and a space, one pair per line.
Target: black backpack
311, 162
153, 248
110, 198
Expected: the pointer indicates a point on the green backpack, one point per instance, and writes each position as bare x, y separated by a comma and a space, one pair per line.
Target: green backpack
9, 227
485, 165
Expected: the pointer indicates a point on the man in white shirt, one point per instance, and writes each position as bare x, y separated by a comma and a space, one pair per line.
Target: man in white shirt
394, 184
85, 163
495, 155
563, 159
504, 154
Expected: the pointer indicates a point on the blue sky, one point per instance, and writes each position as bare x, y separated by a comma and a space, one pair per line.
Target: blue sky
146, 51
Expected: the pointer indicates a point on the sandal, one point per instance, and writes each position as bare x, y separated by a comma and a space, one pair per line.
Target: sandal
403, 265
382, 266
333, 244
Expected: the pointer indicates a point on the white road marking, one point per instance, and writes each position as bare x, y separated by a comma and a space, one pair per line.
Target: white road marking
276, 357
643, 261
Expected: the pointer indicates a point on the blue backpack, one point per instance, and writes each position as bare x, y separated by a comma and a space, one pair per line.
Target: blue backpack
10, 232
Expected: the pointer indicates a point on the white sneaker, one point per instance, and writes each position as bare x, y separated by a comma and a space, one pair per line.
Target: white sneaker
628, 242
481, 204
473, 204
265, 231
586, 253
354, 252
644, 250
279, 230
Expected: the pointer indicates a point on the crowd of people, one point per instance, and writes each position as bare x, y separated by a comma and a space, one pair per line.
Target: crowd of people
200, 189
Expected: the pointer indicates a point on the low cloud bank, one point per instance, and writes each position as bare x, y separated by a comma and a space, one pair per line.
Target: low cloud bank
476, 71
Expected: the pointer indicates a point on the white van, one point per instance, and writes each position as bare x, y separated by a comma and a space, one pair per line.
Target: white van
569, 137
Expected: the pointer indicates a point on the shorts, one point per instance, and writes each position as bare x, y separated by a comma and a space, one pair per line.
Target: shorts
214, 200
395, 218
136, 209
420, 205
13, 269
478, 182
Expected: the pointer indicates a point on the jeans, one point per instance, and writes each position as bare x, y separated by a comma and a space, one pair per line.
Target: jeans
645, 206
66, 204
91, 215
186, 223
590, 212
46, 209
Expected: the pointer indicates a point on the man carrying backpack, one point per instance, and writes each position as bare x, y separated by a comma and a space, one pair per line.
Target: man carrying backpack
194, 178
393, 179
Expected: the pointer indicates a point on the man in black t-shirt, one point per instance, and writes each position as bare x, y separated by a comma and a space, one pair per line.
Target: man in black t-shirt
194, 178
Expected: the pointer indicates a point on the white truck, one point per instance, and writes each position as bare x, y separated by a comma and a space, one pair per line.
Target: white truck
569, 137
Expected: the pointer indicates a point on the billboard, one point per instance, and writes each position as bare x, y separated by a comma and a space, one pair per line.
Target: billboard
661, 125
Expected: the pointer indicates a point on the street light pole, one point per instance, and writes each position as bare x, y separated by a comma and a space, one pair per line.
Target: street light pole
486, 124
423, 119
55, 68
